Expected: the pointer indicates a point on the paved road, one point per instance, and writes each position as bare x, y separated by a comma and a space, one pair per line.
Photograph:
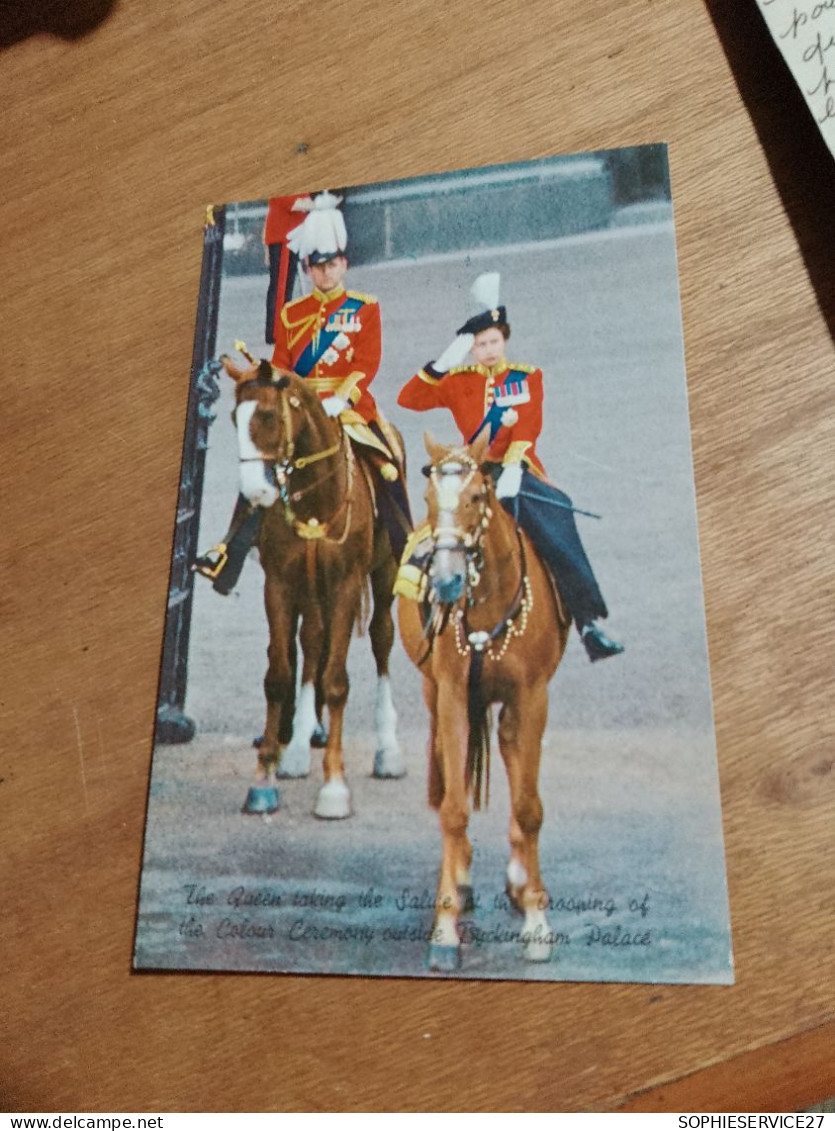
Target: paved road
629, 784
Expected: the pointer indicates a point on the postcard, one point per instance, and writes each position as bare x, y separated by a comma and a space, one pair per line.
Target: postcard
435, 697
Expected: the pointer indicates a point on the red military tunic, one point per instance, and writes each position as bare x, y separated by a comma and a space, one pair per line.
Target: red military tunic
474, 393
348, 366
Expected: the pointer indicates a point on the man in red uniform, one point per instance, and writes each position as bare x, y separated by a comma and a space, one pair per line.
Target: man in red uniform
505, 399
332, 338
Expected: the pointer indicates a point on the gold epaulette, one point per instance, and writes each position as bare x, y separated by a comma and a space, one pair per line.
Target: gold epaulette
362, 297
473, 368
522, 368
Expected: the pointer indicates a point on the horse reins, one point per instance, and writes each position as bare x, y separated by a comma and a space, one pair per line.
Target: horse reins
285, 464
519, 609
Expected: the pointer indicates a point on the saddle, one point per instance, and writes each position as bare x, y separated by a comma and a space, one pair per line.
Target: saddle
379, 447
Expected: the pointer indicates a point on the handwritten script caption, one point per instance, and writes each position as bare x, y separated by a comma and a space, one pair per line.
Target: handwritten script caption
804, 30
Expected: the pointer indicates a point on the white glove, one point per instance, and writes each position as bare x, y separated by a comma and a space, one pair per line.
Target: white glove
510, 481
510, 417
454, 354
334, 406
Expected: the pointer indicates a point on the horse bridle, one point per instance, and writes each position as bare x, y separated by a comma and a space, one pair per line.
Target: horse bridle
470, 544
456, 538
283, 465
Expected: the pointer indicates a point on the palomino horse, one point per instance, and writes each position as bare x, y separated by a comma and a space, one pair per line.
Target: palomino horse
318, 545
489, 630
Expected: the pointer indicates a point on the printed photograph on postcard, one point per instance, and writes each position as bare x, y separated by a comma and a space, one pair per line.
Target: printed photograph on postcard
435, 697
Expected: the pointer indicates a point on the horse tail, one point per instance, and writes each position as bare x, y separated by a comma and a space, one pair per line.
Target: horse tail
478, 738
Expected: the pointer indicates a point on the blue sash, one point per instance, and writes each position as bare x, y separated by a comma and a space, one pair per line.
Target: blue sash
320, 343
504, 398
492, 419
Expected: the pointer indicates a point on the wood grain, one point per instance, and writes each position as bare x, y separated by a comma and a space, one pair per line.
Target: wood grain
784, 1076
111, 147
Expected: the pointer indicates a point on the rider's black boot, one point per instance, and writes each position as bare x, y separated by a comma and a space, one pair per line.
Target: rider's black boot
597, 643
224, 562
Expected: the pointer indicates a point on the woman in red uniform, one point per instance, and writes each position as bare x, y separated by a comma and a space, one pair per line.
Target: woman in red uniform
506, 399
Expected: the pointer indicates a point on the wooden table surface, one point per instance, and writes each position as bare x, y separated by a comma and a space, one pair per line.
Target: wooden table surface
112, 144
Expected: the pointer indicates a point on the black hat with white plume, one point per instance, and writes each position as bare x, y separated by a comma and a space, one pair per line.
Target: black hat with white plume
485, 294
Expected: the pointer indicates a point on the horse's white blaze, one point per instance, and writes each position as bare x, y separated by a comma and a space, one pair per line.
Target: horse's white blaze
243, 419
334, 800
448, 560
449, 492
517, 877
536, 936
253, 475
295, 760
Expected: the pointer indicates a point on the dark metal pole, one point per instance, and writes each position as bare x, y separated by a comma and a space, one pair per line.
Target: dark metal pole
173, 725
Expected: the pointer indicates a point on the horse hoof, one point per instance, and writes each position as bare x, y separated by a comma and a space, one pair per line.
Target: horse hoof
389, 764
537, 951
446, 959
333, 802
319, 738
261, 799
465, 894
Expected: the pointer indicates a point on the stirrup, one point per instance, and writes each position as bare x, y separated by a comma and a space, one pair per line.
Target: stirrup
211, 566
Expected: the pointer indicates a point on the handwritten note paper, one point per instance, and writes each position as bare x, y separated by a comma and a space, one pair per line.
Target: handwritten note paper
804, 30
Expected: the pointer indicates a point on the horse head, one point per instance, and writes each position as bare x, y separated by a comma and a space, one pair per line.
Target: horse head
458, 498
273, 412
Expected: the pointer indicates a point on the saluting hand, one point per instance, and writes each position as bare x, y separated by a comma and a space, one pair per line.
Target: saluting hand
454, 354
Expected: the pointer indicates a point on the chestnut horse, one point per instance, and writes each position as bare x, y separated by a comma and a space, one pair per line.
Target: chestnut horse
318, 545
490, 629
